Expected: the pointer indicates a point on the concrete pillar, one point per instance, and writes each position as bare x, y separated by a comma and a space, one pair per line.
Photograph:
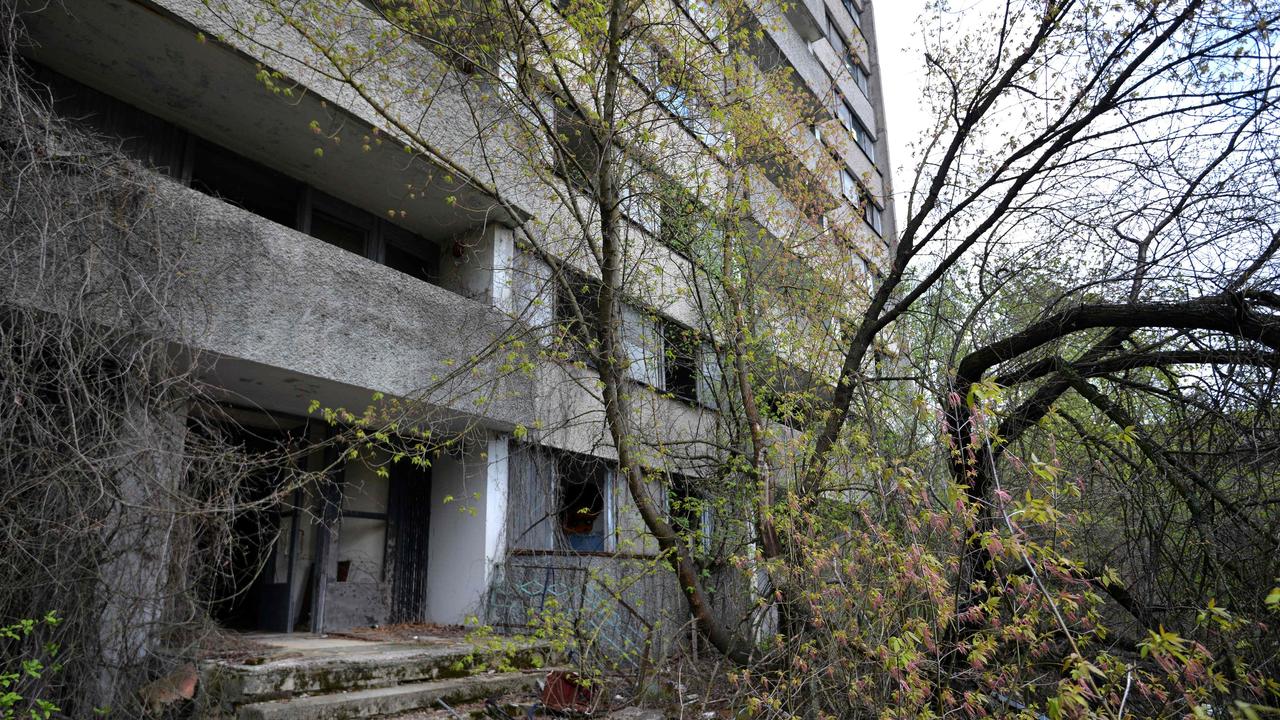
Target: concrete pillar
138, 541
481, 267
468, 517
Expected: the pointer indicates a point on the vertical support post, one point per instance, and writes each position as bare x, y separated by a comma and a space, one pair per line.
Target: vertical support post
495, 511
502, 291
295, 518
326, 537
485, 269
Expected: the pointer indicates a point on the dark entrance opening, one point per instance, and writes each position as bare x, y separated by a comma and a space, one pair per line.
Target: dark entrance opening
410, 512
249, 591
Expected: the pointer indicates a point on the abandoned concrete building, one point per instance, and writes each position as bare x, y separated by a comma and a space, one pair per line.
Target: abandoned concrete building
313, 294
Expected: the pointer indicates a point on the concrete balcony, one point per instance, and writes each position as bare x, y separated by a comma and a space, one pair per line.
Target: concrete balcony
290, 319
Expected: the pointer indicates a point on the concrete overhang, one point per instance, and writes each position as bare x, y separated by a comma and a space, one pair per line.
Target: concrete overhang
157, 61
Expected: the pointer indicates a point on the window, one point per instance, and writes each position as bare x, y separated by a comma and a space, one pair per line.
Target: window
146, 138
585, 508
860, 76
410, 254
580, 331
223, 174
581, 155
642, 348
872, 215
845, 113
870, 211
640, 204
692, 114
838, 43
339, 232
841, 47
681, 349
674, 99
864, 140
689, 514
848, 184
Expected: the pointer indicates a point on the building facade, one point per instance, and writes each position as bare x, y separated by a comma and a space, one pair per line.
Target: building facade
321, 285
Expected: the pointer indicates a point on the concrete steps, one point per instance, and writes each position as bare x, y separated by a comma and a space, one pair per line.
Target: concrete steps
319, 678
381, 701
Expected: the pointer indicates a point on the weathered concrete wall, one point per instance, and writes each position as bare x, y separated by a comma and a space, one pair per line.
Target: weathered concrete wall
285, 300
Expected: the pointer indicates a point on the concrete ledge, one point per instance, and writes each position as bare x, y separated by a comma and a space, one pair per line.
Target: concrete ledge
271, 296
378, 665
386, 701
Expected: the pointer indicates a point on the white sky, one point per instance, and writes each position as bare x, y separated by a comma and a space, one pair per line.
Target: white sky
901, 75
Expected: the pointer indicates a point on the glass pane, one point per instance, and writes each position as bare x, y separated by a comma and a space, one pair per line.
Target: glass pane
642, 346
420, 262
336, 232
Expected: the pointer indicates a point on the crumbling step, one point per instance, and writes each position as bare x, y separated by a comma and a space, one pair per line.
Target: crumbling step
379, 666
376, 702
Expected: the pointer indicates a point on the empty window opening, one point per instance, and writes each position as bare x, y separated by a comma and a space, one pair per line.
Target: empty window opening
583, 493
336, 232
682, 361
223, 174
407, 253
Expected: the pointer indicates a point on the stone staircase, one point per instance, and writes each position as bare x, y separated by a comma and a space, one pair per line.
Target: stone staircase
313, 678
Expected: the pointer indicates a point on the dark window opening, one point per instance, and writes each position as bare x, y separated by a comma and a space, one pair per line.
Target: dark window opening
410, 254
578, 329
583, 485
144, 137
581, 154
682, 361
347, 236
223, 174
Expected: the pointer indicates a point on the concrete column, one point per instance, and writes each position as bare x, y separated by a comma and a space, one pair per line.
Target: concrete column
496, 494
468, 517
138, 539
483, 271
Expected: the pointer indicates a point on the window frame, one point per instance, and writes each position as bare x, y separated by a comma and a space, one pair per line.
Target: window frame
863, 138
606, 478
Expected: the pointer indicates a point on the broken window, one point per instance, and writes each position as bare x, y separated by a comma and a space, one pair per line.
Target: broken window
585, 509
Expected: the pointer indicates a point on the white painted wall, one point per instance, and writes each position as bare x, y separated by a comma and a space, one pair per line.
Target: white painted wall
466, 531
361, 541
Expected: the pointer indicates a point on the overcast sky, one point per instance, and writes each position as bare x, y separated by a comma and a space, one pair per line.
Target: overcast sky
901, 74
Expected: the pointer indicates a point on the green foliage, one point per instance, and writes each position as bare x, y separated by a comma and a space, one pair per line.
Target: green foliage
28, 666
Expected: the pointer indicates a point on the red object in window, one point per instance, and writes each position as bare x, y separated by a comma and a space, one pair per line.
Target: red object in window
566, 691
